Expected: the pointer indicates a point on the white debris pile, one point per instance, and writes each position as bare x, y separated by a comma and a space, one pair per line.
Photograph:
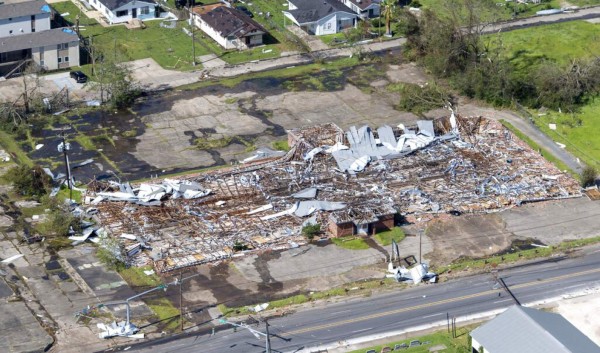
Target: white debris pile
152, 194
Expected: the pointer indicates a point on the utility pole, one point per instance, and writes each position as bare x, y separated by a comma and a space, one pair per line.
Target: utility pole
268, 342
64, 147
192, 30
181, 300
420, 244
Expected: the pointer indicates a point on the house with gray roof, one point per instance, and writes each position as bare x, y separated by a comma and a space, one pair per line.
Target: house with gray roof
363, 8
121, 11
24, 17
527, 330
320, 17
26, 36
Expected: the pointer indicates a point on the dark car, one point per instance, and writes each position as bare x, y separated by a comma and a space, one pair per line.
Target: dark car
245, 10
78, 76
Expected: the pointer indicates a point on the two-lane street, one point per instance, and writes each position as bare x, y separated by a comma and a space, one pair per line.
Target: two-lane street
325, 325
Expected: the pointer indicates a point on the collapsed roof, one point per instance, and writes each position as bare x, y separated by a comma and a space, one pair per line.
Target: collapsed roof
450, 164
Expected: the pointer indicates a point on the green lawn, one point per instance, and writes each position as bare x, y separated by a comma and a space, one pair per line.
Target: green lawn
350, 243
578, 131
170, 48
385, 238
136, 277
459, 344
509, 9
560, 42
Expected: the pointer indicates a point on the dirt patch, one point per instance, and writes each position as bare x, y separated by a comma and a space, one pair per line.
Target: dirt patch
467, 236
582, 313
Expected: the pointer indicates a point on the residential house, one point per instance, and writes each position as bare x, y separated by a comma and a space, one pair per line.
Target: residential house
527, 330
365, 220
229, 27
320, 17
121, 11
363, 8
26, 35
24, 17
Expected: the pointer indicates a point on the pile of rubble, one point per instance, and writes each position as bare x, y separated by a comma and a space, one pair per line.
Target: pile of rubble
458, 165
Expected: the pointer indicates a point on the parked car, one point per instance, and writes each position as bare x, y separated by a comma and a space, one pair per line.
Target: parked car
386, 350
78, 76
371, 351
245, 10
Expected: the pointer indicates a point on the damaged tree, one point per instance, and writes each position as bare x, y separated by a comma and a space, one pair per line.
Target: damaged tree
115, 83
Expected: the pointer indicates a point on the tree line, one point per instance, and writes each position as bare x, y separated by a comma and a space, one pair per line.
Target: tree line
451, 44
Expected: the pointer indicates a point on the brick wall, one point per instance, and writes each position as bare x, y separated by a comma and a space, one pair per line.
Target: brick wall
340, 230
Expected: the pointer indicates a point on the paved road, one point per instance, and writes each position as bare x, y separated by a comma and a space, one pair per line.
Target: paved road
533, 132
333, 325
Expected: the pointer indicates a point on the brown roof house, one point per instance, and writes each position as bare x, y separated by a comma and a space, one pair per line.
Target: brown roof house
365, 220
229, 27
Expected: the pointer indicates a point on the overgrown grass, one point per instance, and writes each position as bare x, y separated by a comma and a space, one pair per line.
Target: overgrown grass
64, 193
578, 131
12, 147
385, 238
559, 42
351, 243
460, 344
136, 277
549, 156
281, 145
284, 73
167, 314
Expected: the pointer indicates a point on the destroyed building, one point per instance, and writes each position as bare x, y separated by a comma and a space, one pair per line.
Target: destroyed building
353, 182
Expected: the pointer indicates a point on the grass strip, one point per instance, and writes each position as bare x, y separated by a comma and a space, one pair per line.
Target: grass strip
547, 155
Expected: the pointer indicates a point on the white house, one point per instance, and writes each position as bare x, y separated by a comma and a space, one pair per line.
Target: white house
26, 36
24, 17
120, 11
229, 27
320, 17
363, 8
527, 330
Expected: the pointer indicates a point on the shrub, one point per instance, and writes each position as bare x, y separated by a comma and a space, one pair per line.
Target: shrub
29, 181
310, 230
588, 176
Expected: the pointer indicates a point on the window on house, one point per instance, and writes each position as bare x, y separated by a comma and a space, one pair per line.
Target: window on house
328, 25
10, 32
122, 13
145, 10
59, 60
66, 59
42, 64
